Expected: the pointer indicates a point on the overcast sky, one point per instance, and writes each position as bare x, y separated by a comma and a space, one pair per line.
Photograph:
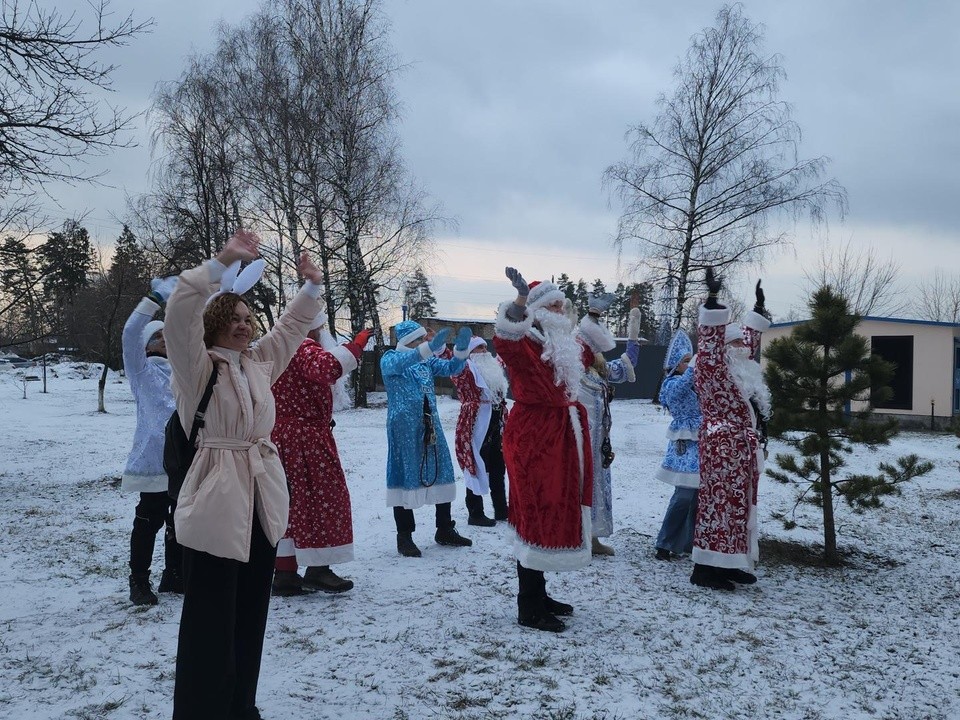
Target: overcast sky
512, 109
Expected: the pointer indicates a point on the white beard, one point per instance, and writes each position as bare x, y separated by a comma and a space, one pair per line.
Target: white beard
561, 350
492, 374
748, 376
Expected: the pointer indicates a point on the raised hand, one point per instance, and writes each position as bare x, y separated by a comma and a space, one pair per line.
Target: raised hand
599, 304
308, 270
161, 289
633, 325
362, 337
463, 339
242, 245
439, 340
761, 306
516, 279
713, 290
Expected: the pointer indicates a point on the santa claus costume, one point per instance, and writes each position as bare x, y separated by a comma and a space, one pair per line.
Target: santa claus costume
546, 445
595, 395
733, 401
320, 529
482, 390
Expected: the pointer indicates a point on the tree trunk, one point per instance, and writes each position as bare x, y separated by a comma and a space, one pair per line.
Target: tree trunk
830, 555
101, 386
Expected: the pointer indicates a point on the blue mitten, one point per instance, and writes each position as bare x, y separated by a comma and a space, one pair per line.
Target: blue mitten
161, 289
439, 340
463, 339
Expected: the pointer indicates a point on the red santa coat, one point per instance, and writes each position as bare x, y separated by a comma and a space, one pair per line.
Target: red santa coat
731, 459
546, 447
321, 524
471, 401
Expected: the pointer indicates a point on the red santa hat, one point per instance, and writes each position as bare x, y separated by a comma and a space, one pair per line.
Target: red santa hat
543, 294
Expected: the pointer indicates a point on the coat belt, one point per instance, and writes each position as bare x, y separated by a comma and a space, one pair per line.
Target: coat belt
256, 450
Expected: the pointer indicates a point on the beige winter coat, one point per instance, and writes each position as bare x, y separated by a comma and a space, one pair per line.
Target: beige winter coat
236, 468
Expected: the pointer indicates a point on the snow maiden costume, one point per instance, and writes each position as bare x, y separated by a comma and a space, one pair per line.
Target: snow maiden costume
320, 530
595, 395
725, 544
419, 469
681, 464
482, 389
149, 378
546, 445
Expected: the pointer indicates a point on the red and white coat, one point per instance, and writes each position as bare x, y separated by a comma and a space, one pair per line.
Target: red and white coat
321, 523
546, 446
476, 410
731, 458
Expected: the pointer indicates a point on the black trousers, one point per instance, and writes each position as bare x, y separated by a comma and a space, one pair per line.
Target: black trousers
224, 618
532, 592
491, 452
154, 511
407, 523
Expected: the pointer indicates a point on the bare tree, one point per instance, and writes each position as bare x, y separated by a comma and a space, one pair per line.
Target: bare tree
857, 274
939, 298
719, 161
51, 106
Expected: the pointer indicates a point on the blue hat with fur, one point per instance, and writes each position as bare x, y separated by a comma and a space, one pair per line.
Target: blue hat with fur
407, 332
679, 347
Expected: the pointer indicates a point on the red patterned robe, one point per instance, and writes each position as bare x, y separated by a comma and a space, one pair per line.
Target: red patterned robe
546, 445
321, 524
469, 436
731, 458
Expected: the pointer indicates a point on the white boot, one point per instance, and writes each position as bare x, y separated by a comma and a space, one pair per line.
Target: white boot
600, 549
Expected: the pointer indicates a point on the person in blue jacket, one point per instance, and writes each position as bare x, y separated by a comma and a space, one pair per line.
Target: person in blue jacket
681, 464
419, 468
148, 372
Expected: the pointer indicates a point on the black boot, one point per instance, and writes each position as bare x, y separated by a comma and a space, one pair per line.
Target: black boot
448, 535
663, 554
323, 578
741, 577
480, 520
710, 577
287, 583
406, 546
140, 591
555, 607
171, 581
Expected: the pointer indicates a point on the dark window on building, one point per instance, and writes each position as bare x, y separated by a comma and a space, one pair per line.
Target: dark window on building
899, 351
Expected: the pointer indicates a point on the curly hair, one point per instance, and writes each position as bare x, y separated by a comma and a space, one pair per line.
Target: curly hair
218, 315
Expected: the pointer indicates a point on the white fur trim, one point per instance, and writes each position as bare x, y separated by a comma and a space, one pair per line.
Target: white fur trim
714, 316
628, 368
461, 354
544, 559
475, 342
286, 548
732, 332
678, 479
424, 350
149, 330
683, 434
148, 307
597, 336
143, 483
410, 337
508, 329
755, 321
346, 359
324, 556
413, 499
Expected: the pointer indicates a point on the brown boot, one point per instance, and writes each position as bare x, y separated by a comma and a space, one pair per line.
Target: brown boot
323, 578
287, 584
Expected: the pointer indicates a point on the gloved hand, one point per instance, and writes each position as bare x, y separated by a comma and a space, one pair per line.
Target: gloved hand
599, 304
516, 279
362, 337
760, 306
713, 290
439, 340
633, 325
161, 289
463, 339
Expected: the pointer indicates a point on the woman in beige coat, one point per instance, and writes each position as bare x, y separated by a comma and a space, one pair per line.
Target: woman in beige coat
232, 508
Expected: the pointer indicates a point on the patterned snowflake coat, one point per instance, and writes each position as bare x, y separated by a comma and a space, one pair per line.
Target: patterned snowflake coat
476, 411
681, 464
731, 459
546, 446
321, 523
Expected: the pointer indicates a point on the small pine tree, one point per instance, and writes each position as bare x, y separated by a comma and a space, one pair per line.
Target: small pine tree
418, 296
567, 287
581, 298
814, 374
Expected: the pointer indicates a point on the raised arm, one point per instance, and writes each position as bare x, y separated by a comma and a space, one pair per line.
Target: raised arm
134, 350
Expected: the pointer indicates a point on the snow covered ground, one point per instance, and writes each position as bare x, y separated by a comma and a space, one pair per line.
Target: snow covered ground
437, 637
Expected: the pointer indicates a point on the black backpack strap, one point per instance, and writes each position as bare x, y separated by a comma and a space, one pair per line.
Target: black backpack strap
202, 407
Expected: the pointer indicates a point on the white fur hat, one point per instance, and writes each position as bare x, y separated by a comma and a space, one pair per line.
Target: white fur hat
597, 336
542, 294
475, 342
149, 330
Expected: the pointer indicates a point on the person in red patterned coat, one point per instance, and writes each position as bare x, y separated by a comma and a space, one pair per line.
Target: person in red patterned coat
482, 389
546, 444
735, 404
320, 530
